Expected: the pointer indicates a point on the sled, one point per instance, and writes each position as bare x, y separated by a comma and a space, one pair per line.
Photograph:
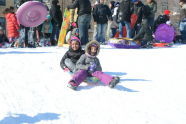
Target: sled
64, 27
124, 43
165, 33
162, 44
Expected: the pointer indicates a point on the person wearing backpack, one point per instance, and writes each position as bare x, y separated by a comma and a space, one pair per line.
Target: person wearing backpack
101, 14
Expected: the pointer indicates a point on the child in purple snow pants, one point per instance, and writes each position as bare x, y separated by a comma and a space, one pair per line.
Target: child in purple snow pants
89, 65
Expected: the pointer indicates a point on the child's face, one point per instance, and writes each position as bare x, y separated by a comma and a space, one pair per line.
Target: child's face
93, 50
75, 45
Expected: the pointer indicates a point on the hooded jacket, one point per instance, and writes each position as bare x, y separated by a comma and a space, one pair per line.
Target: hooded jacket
73, 55
12, 25
86, 59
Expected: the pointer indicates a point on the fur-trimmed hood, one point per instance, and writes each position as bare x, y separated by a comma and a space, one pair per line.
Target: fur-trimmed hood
87, 48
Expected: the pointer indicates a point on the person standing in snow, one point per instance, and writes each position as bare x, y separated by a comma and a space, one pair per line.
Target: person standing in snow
145, 33
68, 62
138, 10
152, 4
124, 14
56, 16
183, 20
89, 65
84, 18
102, 14
12, 25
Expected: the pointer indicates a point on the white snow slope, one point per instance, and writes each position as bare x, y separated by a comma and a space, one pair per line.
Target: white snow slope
33, 88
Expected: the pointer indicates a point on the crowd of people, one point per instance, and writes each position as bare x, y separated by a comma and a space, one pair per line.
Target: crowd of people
108, 22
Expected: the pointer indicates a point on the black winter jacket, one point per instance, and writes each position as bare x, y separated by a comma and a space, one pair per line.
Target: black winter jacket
102, 13
73, 55
138, 10
125, 11
56, 15
84, 7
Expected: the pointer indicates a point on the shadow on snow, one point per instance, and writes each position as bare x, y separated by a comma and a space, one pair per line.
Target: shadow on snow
22, 118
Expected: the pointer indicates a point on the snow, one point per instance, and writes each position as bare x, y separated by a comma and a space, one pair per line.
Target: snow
33, 88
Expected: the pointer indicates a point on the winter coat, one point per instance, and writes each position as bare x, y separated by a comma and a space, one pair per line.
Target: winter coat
86, 59
56, 15
138, 10
125, 11
84, 7
12, 25
102, 14
153, 9
145, 33
183, 13
73, 55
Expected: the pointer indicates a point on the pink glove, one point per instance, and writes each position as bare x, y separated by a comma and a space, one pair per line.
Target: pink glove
66, 70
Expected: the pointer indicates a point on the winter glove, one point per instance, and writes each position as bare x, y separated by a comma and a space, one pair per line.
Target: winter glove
92, 68
66, 70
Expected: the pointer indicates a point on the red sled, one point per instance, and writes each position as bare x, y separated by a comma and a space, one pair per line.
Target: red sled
162, 44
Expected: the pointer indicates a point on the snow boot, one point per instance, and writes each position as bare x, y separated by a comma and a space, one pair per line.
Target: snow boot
72, 85
115, 81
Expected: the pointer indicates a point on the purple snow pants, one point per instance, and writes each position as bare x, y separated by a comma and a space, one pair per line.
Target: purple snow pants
81, 75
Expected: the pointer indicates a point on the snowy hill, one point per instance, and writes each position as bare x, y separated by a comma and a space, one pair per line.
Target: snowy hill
33, 88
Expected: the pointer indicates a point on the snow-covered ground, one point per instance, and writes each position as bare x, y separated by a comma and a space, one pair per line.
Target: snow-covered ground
33, 88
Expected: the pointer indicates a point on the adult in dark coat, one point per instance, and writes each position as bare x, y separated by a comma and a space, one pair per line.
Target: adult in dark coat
56, 15
84, 18
124, 14
145, 33
101, 15
138, 10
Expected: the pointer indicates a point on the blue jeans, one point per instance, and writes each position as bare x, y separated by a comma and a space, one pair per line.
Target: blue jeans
183, 30
128, 28
83, 25
55, 33
101, 32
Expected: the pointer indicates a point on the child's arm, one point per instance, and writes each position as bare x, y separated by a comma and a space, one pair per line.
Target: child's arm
81, 63
62, 62
99, 68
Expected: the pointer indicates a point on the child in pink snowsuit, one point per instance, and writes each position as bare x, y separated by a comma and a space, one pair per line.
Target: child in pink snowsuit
89, 65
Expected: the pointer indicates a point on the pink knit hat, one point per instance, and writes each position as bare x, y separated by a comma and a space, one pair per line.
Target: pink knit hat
75, 38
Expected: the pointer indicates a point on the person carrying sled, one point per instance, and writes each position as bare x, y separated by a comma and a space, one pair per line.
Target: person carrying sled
89, 65
68, 62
